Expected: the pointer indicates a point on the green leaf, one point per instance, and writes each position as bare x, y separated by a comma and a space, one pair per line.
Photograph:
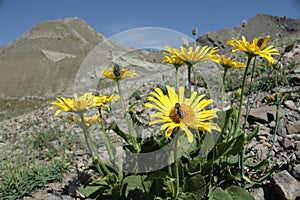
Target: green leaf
230, 147
218, 193
253, 133
258, 165
94, 188
195, 184
188, 196
119, 132
238, 193
131, 183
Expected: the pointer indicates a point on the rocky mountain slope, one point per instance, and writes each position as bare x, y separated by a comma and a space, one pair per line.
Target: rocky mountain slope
283, 31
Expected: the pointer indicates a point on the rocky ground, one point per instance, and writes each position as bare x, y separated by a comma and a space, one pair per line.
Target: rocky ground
283, 184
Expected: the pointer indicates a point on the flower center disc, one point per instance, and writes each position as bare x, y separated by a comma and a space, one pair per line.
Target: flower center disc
188, 115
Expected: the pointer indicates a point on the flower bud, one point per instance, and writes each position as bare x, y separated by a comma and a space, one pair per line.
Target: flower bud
244, 23
194, 31
238, 93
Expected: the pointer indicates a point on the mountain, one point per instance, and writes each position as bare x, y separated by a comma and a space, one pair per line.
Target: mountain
61, 56
45, 55
282, 30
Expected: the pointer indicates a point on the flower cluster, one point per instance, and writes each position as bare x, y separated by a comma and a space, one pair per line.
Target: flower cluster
79, 105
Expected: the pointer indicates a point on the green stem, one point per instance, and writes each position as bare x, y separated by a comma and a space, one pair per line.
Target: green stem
241, 153
176, 167
176, 81
107, 143
250, 92
223, 90
242, 95
129, 124
91, 147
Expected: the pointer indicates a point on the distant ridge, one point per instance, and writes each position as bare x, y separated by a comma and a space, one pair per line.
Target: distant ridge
279, 28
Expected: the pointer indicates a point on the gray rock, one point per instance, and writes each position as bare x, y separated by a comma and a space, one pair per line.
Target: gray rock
286, 185
258, 193
287, 143
261, 151
263, 114
289, 104
293, 127
296, 171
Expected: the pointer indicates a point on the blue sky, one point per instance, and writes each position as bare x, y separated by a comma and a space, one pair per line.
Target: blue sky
112, 17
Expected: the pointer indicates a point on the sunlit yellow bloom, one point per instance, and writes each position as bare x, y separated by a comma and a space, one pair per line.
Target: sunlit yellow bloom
117, 74
172, 56
198, 55
257, 47
228, 63
81, 104
88, 121
177, 111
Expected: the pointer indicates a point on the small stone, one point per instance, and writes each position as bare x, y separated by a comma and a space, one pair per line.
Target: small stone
293, 128
286, 185
272, 124
289, 104
287, 143
261, 151
296, 171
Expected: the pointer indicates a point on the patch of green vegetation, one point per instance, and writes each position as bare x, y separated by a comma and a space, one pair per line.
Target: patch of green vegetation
13, 108
41, 160
22, 177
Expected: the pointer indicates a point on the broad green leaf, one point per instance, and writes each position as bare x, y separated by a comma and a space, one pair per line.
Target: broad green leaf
218, 194
131, 183
195, 184
94, 188
238, 193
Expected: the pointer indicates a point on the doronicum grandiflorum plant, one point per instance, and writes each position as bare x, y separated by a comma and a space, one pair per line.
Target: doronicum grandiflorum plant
205, 159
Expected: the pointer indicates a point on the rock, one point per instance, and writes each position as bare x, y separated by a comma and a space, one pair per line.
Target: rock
296, 171
297, 152
258, 193
286, 185
293, 127
261, 151
263, 114
287, 143
289, 104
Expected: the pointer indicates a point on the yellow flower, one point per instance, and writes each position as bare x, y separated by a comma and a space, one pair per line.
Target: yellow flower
257, 47
117, 74
81, 104
192, 56
227, 63
88, 121
177, 111
172, 56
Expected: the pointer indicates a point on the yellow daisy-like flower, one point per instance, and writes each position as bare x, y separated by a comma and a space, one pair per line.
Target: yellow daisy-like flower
172, 56
228, 63
257, 47
88, 121
198, 55
177, 111
81, 104
117, 74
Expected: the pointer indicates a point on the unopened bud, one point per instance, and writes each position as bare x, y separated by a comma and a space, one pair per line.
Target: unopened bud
238, 93
194, 31
244, 23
